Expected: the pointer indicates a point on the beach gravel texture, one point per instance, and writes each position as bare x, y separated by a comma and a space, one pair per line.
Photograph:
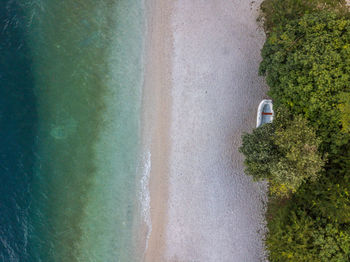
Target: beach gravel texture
216, 212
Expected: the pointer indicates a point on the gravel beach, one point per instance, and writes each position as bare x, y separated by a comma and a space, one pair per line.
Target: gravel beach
203, 76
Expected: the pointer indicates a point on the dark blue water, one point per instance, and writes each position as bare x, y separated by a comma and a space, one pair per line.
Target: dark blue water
18, 123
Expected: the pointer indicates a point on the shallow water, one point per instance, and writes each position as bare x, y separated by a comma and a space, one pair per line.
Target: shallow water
71, 80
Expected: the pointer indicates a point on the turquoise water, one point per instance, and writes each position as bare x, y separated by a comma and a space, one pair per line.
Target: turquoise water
85, 77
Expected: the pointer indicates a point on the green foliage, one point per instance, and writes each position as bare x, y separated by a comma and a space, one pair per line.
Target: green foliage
313, 225
344, 108
260, 151
328, 198
299, 145
306, 60
284, 152
296, 236
278, 12
307, 66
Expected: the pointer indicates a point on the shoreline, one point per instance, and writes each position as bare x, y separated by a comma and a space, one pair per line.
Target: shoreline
156, 120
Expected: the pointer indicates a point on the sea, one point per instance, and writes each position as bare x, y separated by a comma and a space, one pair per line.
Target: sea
73, 170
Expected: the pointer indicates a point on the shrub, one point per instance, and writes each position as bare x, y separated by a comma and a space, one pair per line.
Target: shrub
296, 236
328, 198
312, 225
344, 108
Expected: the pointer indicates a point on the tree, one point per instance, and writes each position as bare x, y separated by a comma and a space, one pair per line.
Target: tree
284, 152
301, 161
260, 151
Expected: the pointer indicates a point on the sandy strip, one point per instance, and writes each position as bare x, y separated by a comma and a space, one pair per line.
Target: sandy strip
156, 123
203, 89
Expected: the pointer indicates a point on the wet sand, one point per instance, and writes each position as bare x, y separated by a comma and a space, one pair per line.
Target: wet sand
157, 119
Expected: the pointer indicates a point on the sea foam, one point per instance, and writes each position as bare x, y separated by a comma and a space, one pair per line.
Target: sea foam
144, 195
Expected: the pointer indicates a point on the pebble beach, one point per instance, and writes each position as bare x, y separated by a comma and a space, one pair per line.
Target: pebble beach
204, 70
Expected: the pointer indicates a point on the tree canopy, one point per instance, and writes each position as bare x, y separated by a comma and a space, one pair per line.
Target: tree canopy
284, 152
307, 66
296, 236
305, 153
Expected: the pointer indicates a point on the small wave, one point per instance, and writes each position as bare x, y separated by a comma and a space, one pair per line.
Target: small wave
145, 197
